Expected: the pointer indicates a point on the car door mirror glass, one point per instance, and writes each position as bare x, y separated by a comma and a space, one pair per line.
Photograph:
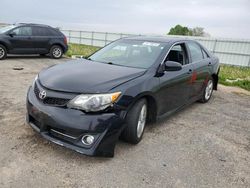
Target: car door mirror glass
172, 66
12, 34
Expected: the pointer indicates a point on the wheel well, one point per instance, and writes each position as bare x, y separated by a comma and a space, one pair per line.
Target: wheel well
152, 108
215, 79
58, 44
5, 46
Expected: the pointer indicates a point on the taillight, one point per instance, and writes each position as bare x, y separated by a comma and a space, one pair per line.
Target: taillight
65, 40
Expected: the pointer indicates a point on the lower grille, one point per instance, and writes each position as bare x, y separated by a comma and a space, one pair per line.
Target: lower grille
63, 135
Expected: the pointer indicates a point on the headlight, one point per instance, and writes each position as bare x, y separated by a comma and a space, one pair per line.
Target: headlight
93, 103
34, 81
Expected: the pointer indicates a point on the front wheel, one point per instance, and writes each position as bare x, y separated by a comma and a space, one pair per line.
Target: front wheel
3, 52
56, 52
208, 91
135, 122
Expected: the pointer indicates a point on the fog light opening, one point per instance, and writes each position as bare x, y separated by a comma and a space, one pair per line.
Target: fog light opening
88, 139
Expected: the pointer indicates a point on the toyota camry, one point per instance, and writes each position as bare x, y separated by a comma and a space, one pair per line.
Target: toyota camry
88, 104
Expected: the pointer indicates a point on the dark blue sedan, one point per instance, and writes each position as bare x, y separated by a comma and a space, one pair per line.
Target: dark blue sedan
87, 105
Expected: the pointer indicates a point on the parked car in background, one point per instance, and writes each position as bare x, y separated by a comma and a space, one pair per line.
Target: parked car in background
86, 105
32, 39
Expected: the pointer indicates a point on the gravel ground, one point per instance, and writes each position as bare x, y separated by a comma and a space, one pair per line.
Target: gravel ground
204, 145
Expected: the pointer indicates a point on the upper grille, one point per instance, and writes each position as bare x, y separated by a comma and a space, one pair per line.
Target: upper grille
55, 101
50, 100
36, 91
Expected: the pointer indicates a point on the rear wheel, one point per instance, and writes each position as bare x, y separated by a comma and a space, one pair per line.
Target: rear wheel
136, 121
208, 91
3, 52
56, 52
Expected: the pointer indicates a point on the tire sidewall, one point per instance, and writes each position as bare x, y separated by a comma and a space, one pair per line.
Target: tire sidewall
132, 119
204, 100
5, 52
53, 48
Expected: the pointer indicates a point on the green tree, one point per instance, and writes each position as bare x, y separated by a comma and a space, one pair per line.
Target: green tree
179, 30
183, 30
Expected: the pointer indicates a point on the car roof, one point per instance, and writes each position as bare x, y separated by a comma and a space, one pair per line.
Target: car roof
32, 24
158, 39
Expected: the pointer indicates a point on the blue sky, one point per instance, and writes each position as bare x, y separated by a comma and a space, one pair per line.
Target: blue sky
220, 18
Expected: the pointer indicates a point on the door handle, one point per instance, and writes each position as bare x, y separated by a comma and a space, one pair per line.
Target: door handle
190, 71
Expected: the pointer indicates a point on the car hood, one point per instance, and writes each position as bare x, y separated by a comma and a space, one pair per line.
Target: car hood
84, 76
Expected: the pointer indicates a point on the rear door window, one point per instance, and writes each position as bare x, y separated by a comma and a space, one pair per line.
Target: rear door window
195, 51
41, 31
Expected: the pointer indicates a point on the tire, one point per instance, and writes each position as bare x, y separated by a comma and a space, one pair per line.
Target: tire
3, 52
56, 52
208, 91
135, 122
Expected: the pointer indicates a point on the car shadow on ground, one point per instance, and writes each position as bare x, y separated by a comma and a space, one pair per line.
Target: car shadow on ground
26, 57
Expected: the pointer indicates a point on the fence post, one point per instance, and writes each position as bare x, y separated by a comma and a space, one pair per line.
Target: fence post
106, 37
92, 38
80, 37
214, 45
69, 35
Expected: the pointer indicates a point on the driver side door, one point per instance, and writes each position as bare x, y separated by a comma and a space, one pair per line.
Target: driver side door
21, 40
175, 87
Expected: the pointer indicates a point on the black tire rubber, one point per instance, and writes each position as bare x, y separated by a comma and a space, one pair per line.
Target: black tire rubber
129, 134
5, 52
203, 98
51, 51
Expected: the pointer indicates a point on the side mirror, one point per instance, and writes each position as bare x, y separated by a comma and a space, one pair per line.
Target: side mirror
12, 34
172, 66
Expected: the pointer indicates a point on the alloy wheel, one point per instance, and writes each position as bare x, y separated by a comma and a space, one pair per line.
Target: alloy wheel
2, 52
57, 52
141, 121
209, 89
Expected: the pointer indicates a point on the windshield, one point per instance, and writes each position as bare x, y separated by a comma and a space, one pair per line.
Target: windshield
6, 28
129, 53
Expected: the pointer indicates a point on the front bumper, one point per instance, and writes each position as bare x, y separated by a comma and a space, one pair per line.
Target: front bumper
66, 127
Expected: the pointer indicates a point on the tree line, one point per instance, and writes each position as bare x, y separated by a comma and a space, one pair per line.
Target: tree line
183, 30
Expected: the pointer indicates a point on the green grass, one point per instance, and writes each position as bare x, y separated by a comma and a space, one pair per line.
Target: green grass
235, 76
81, 49
229, 75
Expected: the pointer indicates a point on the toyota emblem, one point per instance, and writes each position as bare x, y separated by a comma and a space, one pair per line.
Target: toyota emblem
42, 95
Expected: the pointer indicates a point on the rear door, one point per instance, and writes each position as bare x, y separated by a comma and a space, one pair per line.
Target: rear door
41, 37
21, 40
201, 65
175, 85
